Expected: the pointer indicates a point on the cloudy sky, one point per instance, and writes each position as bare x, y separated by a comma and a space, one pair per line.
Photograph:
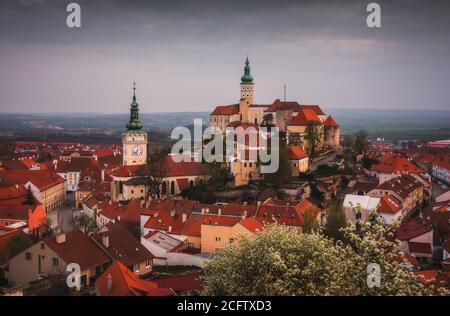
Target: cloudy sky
188, 55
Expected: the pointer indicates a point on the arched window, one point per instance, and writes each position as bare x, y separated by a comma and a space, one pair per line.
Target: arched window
172, 188
164, 188
120, 187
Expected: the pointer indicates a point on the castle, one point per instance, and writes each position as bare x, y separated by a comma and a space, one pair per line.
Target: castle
290, 117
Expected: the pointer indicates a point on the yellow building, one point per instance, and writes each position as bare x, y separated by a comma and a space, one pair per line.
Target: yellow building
220, 232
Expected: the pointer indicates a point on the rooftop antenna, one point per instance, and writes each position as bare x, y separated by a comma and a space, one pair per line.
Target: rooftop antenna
284, 92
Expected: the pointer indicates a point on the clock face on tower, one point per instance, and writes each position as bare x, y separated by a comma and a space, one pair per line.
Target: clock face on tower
137, 150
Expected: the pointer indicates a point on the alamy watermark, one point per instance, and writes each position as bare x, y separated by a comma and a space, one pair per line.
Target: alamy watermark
252, 143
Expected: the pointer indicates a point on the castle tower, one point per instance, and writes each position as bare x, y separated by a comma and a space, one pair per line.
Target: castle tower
246, 92
134, 140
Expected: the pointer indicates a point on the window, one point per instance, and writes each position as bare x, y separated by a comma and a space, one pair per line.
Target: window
135, 267
55, 262
217, 238
231, 240
42, 245
250, 164
245, 164
148, 263
142, 190
28, 256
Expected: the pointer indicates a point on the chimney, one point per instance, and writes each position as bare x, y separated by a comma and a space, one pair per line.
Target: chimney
244, 214
61, 238
219, 212
184, 217
109, 283
207, 210
142, 203
203, 210
169, 229
105, 240
172, 213
103, 175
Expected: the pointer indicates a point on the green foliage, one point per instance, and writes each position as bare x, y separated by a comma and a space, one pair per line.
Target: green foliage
283, 174
19, 243
155, 170
86, 223
43, 156
200, 192
368, 162
335, 219
310, 223
29, 198
360, 142
314, 136
283, 261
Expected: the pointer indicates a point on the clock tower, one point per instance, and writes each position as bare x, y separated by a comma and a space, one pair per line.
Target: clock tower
134, 140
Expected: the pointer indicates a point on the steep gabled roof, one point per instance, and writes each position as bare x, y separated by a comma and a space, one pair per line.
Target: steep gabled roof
330, 122
123, 245
305, 116
79, 248
123, 282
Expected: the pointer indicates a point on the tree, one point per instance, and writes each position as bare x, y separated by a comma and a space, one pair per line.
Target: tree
368, 162
314, 136
43, 156
310, 223
155, 170
29, 198
284, 168
86, 223
335, 219
282, 261
218, 174
7, 148
267, 120
360, 142
19, 243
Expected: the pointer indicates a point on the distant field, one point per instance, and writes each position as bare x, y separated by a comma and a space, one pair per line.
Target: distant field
390, 124
396, 124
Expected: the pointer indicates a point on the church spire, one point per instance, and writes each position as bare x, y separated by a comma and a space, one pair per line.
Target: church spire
134, 124
247, 77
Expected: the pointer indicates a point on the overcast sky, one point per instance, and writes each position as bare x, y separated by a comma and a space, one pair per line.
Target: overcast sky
189, 55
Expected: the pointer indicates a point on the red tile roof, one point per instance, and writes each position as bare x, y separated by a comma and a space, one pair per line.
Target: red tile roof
395, 163
305, 116
12, 192
42, 179
402, 185
412, 228
79, 248
183, 169
330, 122
123, 282
123, 245
252, 224
182, 284
111, 210
296, 153
226, 110
389, 204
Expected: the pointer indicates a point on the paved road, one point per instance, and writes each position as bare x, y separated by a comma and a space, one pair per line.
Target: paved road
63, 217
314, 165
